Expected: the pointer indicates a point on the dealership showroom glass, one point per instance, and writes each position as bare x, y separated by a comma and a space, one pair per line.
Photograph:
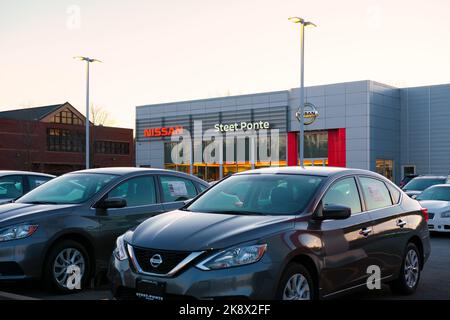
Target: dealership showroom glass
362, 124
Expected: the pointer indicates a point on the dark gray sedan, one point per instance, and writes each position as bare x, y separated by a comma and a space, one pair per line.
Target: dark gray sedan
64, 231
278, 233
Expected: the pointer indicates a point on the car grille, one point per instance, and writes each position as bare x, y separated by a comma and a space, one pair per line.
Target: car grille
430, 215
170, 259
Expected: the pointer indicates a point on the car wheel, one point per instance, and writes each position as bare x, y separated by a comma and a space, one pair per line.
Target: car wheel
409, 276
67, 267
296, 284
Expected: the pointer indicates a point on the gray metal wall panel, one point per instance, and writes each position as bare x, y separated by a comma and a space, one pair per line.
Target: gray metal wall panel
384, 124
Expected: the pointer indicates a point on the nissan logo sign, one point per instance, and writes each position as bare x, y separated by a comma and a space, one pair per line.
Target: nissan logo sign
310, 113
156, 260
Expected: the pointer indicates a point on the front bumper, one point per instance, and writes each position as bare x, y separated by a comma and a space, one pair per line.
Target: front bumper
21, 259
255, 281
439, 224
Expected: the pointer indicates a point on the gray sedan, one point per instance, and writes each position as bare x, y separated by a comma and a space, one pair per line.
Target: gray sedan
64, 231
277, 233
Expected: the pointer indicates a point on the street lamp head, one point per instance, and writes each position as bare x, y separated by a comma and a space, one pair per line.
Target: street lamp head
296, 20
86, 59
309, 23
301, 21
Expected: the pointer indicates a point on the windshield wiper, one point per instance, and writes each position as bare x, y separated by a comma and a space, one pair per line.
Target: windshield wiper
42, 202
243, 213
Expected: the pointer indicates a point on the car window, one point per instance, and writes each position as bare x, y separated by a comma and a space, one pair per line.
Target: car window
345, 193
421, 184
375, 193
139, 191
68, 189
435, 193
177, 189
266, 194
11, 187
202, 187
395, 194
36, 181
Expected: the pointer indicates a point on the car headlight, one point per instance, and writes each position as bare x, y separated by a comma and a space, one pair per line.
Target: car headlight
120, 252
17, 232
445, 214
234, 257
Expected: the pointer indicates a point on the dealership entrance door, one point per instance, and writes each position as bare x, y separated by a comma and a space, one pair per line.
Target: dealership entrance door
321, 148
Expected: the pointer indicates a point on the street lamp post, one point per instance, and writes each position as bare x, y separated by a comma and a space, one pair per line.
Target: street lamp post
88, 61
301, 110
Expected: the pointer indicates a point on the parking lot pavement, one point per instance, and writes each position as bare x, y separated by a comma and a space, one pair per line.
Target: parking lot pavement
32, 290
435, 282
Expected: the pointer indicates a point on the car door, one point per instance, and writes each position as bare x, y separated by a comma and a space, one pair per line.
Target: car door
142, 197
175, 191
346, 242
389, 223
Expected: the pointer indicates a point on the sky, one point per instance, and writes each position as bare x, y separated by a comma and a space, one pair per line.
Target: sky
156, 51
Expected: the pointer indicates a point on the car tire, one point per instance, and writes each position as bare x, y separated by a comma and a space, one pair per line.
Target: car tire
409, 275
67, 267
296, 273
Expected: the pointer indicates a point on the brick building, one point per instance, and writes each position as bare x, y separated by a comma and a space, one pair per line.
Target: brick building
51, 139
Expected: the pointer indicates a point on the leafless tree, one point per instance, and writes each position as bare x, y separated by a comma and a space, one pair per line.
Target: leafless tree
99, 116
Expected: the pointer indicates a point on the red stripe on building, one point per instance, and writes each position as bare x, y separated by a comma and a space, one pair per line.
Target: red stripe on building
337, 148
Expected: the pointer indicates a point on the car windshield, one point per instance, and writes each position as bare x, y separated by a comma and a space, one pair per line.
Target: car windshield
421, 183
435, 193
68, 189
258, 194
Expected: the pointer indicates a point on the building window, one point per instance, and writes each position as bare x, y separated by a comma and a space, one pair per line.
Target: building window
62, 140
385, 168
111, 147
66, 117
408, 170
232, 163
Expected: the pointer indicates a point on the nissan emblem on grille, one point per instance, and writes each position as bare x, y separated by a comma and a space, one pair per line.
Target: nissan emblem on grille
156, 260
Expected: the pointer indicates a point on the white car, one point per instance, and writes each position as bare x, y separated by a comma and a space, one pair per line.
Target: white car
437, 200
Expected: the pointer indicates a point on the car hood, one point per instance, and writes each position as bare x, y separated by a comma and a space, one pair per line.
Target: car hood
193, 231
433, 205
14, 211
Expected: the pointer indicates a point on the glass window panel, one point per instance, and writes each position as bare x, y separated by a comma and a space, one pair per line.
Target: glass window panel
177, 189
344, 193
376, 193
137, 191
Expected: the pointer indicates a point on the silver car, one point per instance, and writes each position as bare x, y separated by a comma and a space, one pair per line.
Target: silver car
14, 184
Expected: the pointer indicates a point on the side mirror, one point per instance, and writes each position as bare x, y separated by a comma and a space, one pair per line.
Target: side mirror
111, 203
186, 202
414, 196
335, 212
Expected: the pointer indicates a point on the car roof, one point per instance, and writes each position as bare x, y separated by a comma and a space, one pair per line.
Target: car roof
431, 177
445, 185
122, 171
318, 171
17, 172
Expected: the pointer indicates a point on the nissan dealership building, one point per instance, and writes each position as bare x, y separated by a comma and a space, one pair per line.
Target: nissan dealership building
362, 124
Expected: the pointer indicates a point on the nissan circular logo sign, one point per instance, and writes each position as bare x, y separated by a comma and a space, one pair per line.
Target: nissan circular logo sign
310, 113
156, 260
